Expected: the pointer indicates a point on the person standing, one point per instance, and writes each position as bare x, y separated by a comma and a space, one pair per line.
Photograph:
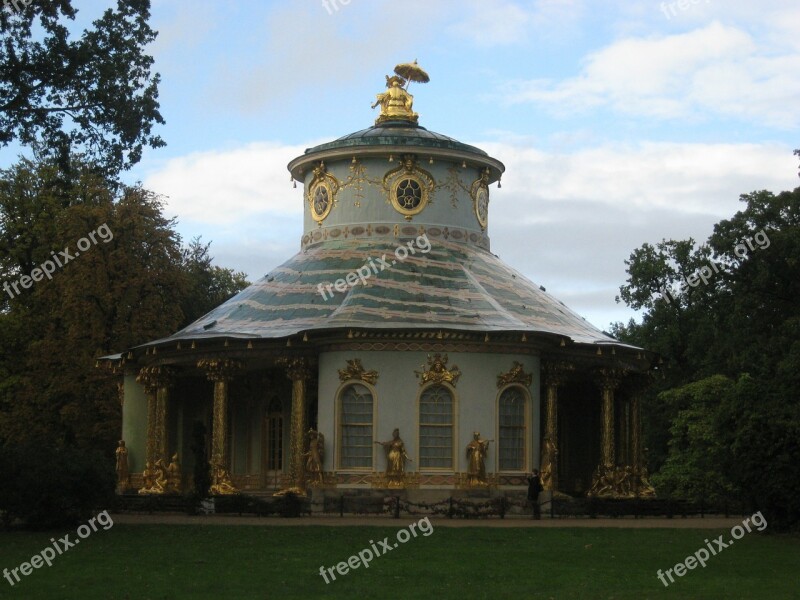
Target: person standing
534, 488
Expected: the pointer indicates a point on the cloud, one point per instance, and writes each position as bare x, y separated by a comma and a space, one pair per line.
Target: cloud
567, 221
505, 22
717, 69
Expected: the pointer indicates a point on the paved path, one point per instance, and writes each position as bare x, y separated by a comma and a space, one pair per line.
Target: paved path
623, 523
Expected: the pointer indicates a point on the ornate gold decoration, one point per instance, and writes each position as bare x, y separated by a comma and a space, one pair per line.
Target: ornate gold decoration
357, 178
515, 375
123, 474
156, 381
220, 371
174, 476
221, 484
355, 370
396, 103
554, 374
396, 458
315, 457
453, 184
438, 371
408, 188
476, 460
480, 199
322, 191
297, 370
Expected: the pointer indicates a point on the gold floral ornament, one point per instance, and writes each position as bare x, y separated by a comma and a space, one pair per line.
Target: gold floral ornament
355, 370
322, 191
438, 371
515, 375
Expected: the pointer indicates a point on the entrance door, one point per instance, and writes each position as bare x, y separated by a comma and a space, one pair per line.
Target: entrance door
273, 444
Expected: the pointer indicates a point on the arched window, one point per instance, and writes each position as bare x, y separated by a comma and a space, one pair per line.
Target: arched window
355, 427
512, 429
436, 428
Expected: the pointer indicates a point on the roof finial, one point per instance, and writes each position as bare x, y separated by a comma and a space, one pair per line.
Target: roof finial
396, 103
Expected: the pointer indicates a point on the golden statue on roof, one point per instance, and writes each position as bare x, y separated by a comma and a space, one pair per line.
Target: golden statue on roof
396, 103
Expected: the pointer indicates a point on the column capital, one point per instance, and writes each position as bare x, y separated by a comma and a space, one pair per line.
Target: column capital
156, 377
609, 378
555, 372
297, 369
220, 369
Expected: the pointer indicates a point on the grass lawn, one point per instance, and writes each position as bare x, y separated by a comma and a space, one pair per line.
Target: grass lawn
220, 562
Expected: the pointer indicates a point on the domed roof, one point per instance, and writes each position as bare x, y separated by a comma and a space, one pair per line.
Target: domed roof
451, 287
396, 133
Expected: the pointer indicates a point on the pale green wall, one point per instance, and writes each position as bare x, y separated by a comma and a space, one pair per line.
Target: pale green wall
373, 207
397, 390
134, 423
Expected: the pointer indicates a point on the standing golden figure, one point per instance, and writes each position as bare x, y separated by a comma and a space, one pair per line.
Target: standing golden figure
174, 477
123, 474
396, 458
476, 455
315, 456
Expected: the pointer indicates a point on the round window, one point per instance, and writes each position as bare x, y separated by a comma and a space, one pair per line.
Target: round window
320, 201
482, 206
409, 197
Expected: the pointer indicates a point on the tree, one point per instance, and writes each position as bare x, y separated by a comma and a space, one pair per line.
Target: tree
95, 94
129, 286
740, 321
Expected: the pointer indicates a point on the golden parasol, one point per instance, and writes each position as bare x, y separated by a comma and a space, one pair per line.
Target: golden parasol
412, 72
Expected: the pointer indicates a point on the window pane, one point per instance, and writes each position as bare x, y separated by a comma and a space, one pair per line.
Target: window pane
356, 427
512, 430
436, 428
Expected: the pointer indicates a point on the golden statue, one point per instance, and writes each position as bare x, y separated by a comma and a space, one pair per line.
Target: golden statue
123, 475
148, 479
476, 457
395, 102
549, 460
174, 476
160, 478
396, 458
315, 456
603, 481
221, 484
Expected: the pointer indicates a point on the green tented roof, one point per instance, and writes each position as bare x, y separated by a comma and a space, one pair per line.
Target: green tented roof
453, 286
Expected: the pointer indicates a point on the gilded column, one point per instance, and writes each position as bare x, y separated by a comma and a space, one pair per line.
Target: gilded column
298, 372
156, 382
608, 480
554, 376
609, 380
220, 372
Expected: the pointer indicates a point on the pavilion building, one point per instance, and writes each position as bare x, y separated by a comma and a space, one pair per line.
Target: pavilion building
394, 314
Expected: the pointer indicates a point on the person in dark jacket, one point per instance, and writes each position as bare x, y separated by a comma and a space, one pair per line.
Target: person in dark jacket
534, 487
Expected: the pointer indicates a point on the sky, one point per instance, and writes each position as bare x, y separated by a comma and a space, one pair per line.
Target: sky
619, 122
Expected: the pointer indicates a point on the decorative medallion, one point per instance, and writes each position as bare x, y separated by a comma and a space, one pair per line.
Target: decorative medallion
408, 188
515, 375
355, 370
438, 371
480, 199
322, 192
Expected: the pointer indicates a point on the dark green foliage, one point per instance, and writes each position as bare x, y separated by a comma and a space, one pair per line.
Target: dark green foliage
47, 487
729, 392
93, 93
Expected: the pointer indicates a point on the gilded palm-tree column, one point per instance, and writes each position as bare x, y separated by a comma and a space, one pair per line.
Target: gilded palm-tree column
606, 480
156, 382
554, 376
298, 372
220, 372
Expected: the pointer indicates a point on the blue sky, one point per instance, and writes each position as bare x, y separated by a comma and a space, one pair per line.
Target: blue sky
619, 122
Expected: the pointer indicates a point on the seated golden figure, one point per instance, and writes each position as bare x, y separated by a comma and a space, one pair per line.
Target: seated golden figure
221, 484
148, 479
396, 103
